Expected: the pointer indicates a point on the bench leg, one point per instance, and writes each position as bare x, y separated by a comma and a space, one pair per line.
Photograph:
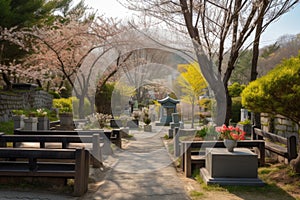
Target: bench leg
187, 162
81, 172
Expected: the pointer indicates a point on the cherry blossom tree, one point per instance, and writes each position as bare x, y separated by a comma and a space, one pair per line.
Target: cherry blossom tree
16, 15
60, 50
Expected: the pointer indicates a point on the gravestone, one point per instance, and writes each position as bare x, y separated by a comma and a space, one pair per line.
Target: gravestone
230, 168
244, 114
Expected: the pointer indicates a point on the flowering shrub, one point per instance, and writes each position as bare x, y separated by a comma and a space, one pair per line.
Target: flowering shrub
136, 114
146, 117
63, 104
230, 132
102, 119
41, 112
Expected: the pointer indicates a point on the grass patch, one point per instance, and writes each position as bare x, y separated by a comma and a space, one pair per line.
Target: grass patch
129, 136
166, 137
207, 187
280, 183
7, 127
194, 194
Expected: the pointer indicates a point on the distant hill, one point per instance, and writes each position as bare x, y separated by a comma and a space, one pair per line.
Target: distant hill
270, 56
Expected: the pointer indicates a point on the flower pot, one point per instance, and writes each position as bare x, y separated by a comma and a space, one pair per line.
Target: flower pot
18, 121
147, 128
230, 144
30, 124
66, 121
43, 123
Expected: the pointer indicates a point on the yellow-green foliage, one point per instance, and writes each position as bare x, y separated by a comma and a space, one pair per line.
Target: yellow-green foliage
235, 89
278, 92
205, 103
191, 81
63, 104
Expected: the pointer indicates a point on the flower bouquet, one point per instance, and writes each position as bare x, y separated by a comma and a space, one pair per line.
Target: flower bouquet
230, 132
230, 135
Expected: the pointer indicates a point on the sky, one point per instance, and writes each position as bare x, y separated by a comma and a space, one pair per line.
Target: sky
287, 24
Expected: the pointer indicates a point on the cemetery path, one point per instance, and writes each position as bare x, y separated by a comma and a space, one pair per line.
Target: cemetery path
143, 169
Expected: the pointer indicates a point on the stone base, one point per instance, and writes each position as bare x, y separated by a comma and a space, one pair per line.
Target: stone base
230, 168
229, 181
147, 128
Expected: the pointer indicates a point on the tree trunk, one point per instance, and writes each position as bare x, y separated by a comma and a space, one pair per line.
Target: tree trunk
259, 28
295, 164
229, 107
81, 107
7, 81
39, 83
193, 112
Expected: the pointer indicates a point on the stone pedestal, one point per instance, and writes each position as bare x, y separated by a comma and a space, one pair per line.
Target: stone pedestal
18, 121
147, 128
66, 121
30, 124
43, 123
230, 168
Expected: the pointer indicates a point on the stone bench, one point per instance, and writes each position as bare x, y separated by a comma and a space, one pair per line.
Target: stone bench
55, 163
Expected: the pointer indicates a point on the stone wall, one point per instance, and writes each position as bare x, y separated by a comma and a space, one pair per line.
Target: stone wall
282, 126
23, 100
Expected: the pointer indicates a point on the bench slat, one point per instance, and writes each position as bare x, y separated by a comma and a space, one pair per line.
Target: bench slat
27, 173
271, 136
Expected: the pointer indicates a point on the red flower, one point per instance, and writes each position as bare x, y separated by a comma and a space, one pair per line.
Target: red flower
230, 132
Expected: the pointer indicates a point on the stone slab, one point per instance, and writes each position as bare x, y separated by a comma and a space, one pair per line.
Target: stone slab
230, 168
229, 181
242, 163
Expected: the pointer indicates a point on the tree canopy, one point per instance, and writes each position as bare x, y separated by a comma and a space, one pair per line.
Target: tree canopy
192, 84
278, 92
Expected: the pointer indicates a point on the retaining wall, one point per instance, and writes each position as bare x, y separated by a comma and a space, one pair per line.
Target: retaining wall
282, 126
23, 100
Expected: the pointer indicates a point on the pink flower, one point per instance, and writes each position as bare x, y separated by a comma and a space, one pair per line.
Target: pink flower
234, 136
230, 132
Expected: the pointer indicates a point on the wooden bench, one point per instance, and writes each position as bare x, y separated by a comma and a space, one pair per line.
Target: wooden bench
63, 140
113, 136
191, 157
58, 163
285, 147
